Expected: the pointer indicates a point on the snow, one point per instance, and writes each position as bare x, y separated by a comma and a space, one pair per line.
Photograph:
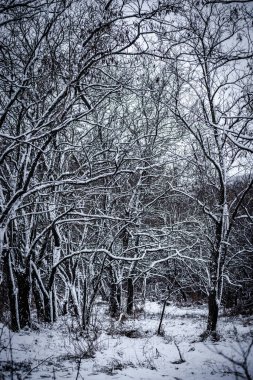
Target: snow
54, 351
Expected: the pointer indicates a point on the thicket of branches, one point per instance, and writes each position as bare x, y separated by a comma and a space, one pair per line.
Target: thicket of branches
126, 156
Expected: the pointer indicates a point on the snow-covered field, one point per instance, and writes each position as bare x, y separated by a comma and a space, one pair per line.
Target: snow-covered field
128, 349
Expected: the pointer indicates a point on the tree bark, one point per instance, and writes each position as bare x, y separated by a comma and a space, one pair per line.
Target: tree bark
38, 299
113, 302
130, 296
24, 297
12, 292
85, 317
213, 310
159, 331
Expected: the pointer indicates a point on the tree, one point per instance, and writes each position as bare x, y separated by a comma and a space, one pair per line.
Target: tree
52, 63
208, 88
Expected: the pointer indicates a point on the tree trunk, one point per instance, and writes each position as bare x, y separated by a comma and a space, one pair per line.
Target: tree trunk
38, 299
103, 292
119, 295
113, 302
130, 296
213, 310
54, 304
12, 292
144, 290
159, 331
24, 298
85, 317
74, 300
65, 304
19, 291
113, 307
215, 283
213, 304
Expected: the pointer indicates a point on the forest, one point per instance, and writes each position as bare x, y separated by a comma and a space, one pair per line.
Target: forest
126, 181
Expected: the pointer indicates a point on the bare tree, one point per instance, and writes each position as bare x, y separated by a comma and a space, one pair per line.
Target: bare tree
53, 79
208, 88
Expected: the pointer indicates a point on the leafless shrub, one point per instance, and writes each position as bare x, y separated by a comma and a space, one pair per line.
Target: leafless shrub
83, 343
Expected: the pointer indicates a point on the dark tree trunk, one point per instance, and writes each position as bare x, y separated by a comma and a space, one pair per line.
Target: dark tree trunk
88, 306
113, 302
113, 307
42, 302
12, 294
14, 322
24, 298
213, 308
85, 317
38, 299
213, 311
65, 308
4, 300
130, 296
54, 305
47, 309
159, 331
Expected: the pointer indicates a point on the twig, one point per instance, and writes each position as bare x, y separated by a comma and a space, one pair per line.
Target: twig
78, 368
181, 359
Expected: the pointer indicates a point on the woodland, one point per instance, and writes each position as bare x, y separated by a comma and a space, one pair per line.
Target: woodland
126, 141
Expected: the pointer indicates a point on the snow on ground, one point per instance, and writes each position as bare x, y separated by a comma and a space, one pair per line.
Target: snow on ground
127, 350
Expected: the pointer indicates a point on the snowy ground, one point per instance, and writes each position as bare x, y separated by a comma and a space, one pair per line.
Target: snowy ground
129, 349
